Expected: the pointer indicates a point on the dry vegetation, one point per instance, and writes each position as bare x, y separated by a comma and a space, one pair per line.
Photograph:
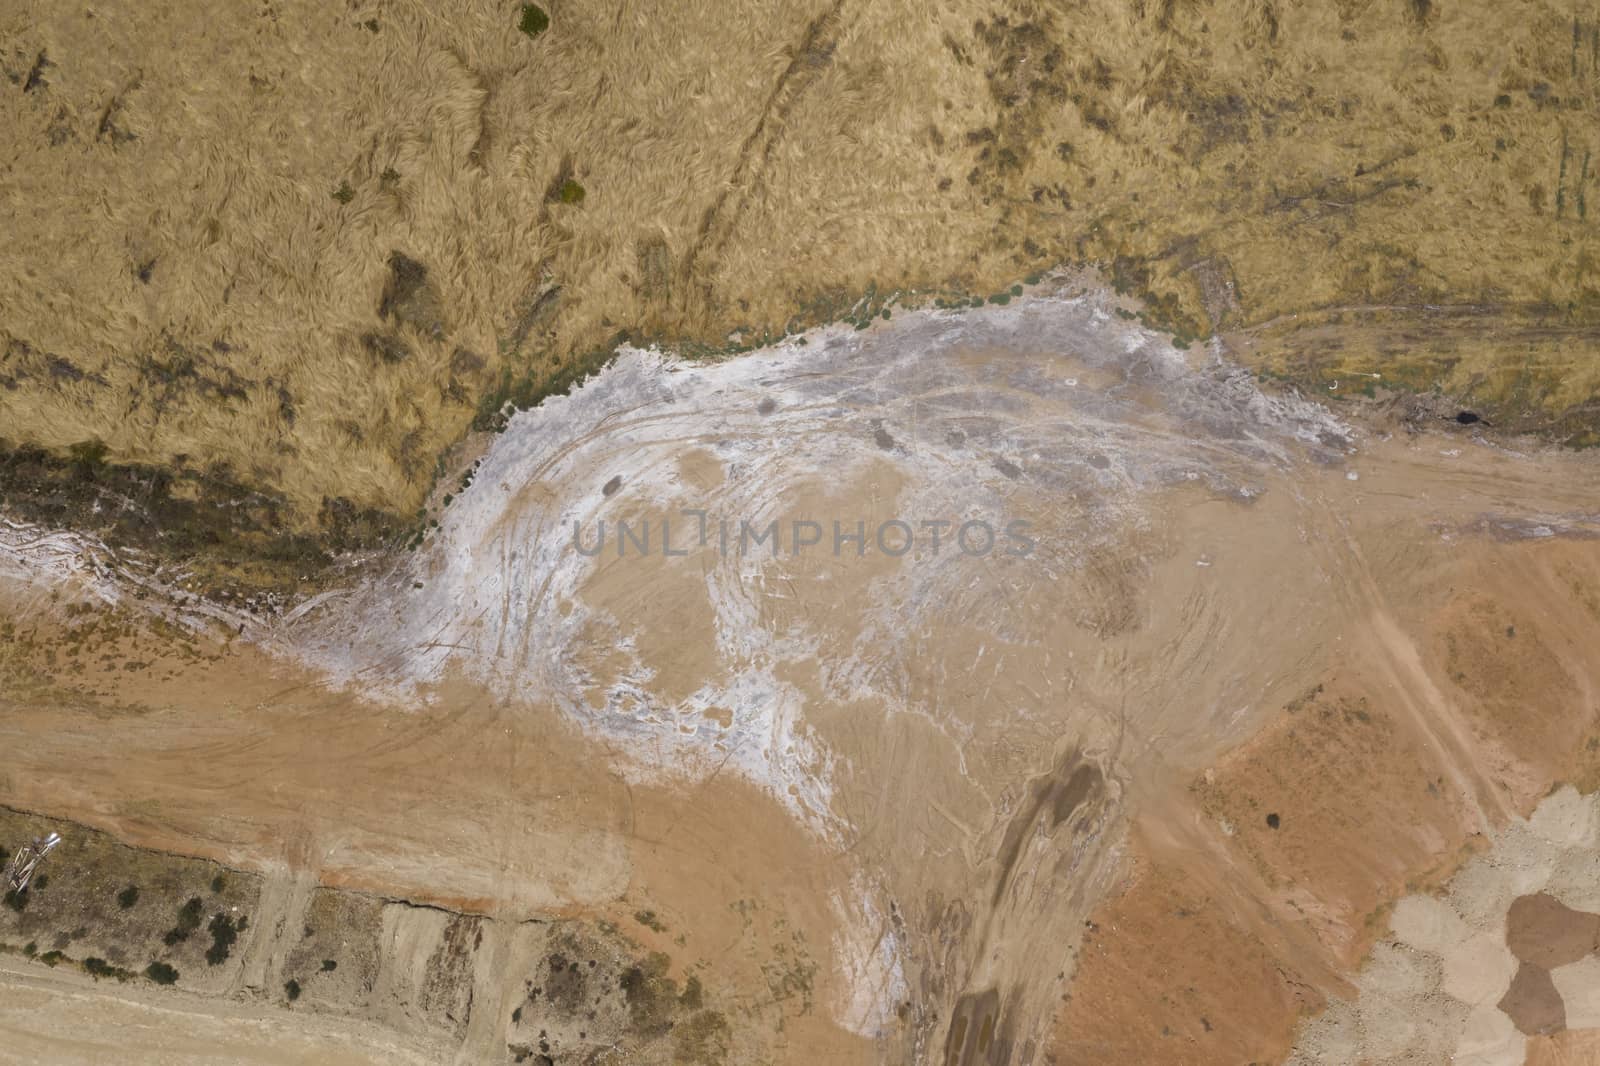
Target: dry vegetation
278, 256
125, 913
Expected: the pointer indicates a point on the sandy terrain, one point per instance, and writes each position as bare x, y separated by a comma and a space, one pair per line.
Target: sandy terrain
1286, 855
1497, 969
70, 1019
1261, 675
1158, 713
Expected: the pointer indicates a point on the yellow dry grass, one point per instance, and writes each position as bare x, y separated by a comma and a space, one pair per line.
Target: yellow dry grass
201, 200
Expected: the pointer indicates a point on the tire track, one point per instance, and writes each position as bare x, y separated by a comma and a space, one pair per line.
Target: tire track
811, 55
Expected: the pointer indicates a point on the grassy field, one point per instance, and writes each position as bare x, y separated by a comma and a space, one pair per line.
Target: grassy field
271, 259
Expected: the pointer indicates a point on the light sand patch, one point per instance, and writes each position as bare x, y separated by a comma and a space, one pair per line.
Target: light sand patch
1429, 924
1395, 968
1566, 819
1479, 969
1490, 1038
1578, 984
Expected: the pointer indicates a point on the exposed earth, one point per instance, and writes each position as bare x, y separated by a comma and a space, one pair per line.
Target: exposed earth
1169, 782
983, 534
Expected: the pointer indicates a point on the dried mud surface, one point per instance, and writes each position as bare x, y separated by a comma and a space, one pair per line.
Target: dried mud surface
1151, 792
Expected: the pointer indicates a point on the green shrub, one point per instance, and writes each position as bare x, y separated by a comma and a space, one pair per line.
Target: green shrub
188, 922
223, 934
128, 897
161, 973
533, 21
99, 968
571, 192
291, 988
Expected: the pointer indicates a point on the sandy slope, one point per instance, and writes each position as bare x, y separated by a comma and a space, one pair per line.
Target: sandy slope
72, 1020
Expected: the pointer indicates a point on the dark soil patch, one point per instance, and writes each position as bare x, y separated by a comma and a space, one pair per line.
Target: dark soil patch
1543, 931
1532, 1002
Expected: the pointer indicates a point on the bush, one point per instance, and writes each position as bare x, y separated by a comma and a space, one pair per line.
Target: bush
188, 922
99, 968
161, 973
128, 897
291, 988
218, 883
328, 965
17, 901
533, 21
223, 934
571, 192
